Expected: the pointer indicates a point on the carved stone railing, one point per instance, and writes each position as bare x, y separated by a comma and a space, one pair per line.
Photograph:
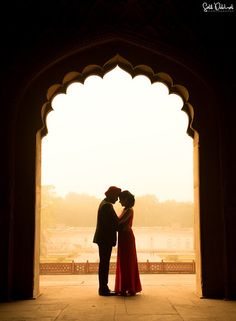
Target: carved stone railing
92, 268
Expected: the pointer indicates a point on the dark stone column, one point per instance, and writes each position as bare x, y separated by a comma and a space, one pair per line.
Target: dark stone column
228, 154
6, 195
6, 233
24, 213
211, 218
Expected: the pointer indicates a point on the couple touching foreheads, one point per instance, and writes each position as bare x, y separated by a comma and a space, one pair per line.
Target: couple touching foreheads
127, 281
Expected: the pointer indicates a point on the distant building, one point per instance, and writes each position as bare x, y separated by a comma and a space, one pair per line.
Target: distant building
153, 244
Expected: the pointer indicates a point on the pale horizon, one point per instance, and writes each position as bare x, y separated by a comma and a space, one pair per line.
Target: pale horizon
118, 131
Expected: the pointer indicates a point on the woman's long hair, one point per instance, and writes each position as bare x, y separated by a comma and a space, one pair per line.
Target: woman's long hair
126, 195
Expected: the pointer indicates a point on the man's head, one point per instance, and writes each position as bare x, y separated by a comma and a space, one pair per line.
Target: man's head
113, 193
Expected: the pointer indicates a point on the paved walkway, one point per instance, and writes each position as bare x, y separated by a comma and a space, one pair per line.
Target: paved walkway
74, 298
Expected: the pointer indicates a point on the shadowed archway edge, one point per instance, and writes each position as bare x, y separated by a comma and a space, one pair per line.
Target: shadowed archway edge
124, 64
102, 55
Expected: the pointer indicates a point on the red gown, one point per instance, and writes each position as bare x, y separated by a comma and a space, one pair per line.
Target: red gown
127, 274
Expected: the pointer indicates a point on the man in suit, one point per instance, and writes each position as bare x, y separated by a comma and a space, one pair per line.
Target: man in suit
105, 236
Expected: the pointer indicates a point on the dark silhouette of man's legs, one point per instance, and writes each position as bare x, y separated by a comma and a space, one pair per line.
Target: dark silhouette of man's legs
104, 255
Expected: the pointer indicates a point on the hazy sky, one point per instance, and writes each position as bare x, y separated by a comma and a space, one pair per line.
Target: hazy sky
118, 131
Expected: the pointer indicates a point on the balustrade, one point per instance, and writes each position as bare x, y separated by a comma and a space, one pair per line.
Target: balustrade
92, 267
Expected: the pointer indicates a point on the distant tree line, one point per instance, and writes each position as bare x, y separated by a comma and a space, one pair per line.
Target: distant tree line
80, 210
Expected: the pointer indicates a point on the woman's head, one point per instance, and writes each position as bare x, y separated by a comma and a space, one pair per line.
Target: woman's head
126, 199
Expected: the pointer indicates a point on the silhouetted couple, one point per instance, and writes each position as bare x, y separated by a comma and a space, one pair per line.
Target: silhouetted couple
127, 281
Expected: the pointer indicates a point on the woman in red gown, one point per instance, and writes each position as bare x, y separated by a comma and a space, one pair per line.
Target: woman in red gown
127, 280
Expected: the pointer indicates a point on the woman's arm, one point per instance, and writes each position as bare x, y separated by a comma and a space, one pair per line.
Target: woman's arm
125, 215
122, 214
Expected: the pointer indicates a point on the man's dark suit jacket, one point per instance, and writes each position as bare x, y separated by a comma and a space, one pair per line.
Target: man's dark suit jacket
107, 224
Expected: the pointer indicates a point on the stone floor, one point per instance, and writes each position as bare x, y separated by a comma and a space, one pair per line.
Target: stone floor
75, 298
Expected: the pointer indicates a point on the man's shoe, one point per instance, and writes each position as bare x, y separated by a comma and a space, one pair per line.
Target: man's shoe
112, 293
107, 293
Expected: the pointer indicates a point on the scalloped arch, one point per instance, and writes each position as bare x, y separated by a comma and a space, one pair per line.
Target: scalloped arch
117, 60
